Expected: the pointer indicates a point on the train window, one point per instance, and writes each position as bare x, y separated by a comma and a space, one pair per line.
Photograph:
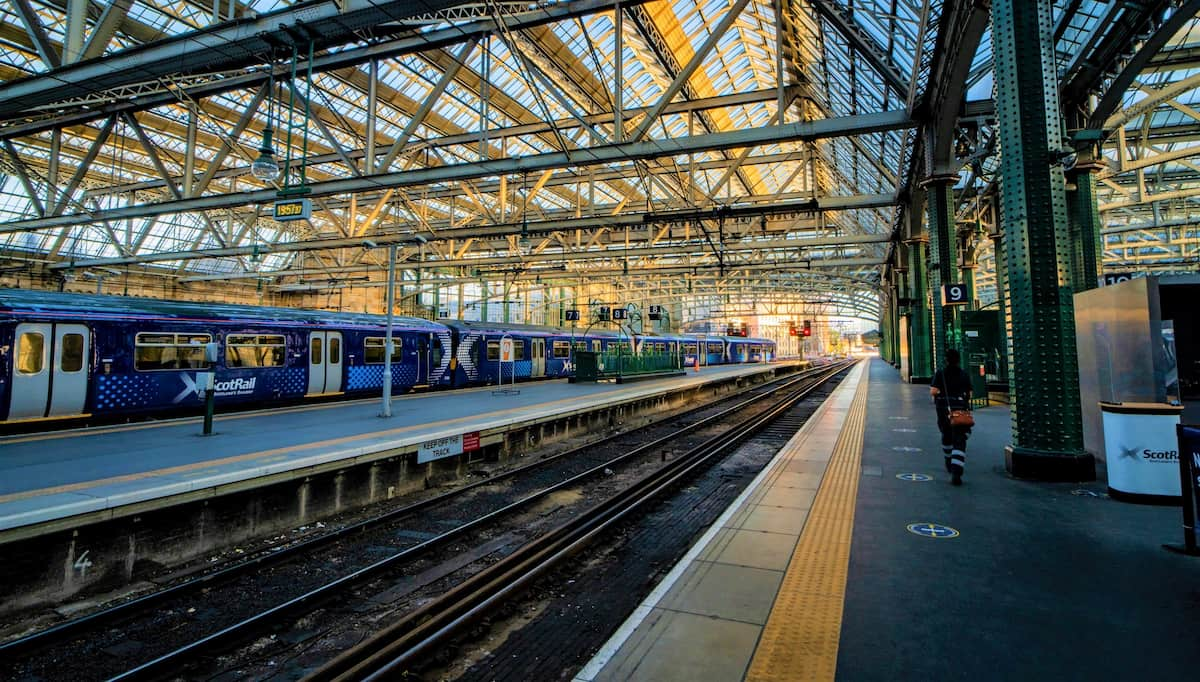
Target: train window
689, 348
255, 350
581, 345
314, 353
72, 353
518, 349
335, 350
437, 353
493, 350
715, 347
373, 349
660, 346
30, 359
596, 345
562, 349
155, 351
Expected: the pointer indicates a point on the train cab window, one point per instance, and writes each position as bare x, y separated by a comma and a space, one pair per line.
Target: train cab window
373, 349
72, 353
31, 357
335, 350
314, 353
155, 351
255, 350
562, 349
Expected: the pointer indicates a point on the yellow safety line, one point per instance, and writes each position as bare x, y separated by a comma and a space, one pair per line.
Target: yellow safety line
800, 640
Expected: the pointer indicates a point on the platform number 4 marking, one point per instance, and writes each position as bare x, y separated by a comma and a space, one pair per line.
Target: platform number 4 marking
954, 294
83, 563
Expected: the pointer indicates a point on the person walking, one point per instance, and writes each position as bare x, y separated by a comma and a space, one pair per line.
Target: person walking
951, 390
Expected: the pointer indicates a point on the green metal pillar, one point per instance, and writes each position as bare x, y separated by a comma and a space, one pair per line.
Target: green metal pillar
939, 192
885, 320
1086, 249
1002, 302
919, 344
1047, 433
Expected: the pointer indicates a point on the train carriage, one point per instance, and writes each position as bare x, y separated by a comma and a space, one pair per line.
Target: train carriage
76, 355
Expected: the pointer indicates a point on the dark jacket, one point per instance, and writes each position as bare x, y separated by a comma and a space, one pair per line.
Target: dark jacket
954, 385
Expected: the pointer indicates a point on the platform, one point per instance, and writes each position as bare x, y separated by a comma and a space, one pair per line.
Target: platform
814, 574
59, 475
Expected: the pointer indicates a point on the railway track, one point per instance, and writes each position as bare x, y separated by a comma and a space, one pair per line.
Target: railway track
66, 637
394, 651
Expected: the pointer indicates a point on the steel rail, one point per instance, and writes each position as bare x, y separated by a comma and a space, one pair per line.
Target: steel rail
392, 650
61, 631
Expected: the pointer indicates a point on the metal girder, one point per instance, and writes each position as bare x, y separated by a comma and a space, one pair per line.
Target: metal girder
233, 45
1092, 64
864, 44
106, 28
740, 99
37, 33
1149, 49
808, 130
148, 94
499, 231
763, 246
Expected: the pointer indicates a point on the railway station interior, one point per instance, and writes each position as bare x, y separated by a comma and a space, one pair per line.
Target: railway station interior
599, 340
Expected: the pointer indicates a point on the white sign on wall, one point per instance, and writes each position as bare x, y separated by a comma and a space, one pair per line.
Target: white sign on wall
439, 448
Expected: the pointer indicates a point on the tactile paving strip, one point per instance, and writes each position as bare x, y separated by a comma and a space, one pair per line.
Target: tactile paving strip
800, 640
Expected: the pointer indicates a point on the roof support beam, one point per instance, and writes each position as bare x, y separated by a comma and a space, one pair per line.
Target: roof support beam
686, 72
595, 156
84, 165
106, 28
37, 33
469, 234
867, 48
763, 246
23, 175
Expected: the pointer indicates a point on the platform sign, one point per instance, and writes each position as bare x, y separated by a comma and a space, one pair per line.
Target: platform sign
470, 441
954, 294
293, 209
506, 349
440, 448
1189, 476
656, 312
619, 313
602, 313
932, 530
1111, 278
572, 315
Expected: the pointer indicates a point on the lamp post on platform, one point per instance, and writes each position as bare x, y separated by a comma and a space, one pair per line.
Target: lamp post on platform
387, 335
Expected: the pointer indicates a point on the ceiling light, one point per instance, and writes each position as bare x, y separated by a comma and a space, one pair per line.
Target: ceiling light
265, 167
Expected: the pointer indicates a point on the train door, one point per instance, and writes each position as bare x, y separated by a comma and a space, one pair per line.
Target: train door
50, 376
324, 362
423, 342
537, 368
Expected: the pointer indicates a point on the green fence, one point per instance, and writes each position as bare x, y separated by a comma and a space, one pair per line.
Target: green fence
591, 366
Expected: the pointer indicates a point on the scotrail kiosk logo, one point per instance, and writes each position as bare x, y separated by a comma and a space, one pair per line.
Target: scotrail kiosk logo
238, 386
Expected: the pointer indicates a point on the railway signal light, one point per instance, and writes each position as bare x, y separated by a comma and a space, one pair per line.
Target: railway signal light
807, 329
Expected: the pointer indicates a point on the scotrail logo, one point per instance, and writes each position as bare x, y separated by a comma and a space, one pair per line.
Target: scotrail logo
1149, 455
239, 386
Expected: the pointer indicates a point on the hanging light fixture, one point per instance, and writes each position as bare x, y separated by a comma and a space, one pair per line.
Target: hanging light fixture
265, 167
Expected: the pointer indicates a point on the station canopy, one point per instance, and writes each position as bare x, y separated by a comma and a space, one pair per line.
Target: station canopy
747, 144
